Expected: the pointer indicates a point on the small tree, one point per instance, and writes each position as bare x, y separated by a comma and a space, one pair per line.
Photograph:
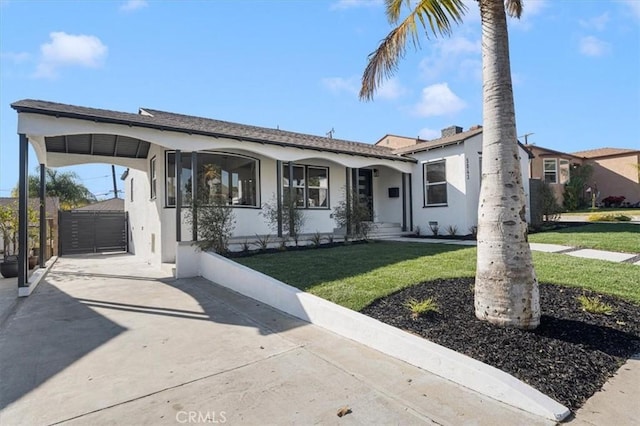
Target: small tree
291, 215
216, 222
353, 210
574, 195
9, 222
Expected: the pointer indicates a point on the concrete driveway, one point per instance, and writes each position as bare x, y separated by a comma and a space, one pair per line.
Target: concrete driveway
105, 339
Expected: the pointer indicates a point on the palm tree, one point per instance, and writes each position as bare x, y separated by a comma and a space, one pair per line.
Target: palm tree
71, 193
506, 288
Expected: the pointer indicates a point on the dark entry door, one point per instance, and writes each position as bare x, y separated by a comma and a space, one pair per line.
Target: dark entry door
365, 189
92, 232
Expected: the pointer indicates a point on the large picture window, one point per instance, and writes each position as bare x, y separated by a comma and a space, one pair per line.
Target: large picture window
310, 183
435, 183
550, 170
220, 177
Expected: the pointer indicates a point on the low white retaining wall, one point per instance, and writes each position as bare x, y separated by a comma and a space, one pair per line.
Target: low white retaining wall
389, 340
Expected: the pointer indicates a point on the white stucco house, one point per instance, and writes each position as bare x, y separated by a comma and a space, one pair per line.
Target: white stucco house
410, 183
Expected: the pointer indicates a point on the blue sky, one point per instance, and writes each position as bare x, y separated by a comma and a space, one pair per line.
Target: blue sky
297, 65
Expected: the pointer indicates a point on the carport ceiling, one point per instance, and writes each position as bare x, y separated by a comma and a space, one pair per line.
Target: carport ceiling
98, 144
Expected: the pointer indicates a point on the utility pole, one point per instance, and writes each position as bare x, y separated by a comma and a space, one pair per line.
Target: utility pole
113, 175
526, 137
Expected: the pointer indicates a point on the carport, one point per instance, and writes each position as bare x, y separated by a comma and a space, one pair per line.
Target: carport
62, 137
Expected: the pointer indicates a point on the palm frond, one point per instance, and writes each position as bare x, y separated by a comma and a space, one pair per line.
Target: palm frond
435, 16
514, 8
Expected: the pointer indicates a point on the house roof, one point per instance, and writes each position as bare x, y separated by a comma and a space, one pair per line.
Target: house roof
604, 152
548, 151
438, 143
150, 118
52, 204
113, 204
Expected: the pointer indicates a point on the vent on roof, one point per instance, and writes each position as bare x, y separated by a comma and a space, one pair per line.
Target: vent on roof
144, 112
451, 130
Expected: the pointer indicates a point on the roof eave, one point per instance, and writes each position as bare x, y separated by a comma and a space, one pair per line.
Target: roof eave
110, 120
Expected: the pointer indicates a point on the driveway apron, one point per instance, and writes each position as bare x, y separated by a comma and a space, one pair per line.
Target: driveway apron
106, 339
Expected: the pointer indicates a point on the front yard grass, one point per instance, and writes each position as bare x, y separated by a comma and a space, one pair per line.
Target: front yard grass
354, 276
622, 237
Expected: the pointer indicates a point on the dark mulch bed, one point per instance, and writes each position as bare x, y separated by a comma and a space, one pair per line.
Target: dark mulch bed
568, 357
254, 252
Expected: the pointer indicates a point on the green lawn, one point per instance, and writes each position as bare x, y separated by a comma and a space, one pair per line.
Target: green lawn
623, 237
354, 276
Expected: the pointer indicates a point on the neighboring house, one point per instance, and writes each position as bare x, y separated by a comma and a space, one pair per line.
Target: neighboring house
52, 205
170, 156
552, 167
615, 170
112, 204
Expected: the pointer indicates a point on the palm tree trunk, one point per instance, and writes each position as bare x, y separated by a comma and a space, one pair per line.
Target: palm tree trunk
506, 289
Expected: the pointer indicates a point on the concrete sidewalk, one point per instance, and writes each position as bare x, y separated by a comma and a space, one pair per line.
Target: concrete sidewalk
107, 340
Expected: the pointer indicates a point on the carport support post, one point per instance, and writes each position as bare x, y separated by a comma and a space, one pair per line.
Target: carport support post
23, 217
194, 196
279, 195
43, 216
178, 196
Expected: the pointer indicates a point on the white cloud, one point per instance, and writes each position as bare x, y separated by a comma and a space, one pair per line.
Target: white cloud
598, 23
350, 4
131, 5
593, 46
634, 6
339, 84
530, 9
391, 89
15, 57
70, 50
428, 134
438, 99
534, 7
447, 56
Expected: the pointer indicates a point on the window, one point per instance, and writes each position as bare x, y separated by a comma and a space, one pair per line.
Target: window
229, 178
152, 177
310, 183
564, 171
435, 183
550, 171
131, 191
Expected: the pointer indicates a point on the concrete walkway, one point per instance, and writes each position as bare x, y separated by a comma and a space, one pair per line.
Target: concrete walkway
548, 248
107, 340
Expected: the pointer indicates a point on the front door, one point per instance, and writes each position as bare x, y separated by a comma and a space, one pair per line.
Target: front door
365, 189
